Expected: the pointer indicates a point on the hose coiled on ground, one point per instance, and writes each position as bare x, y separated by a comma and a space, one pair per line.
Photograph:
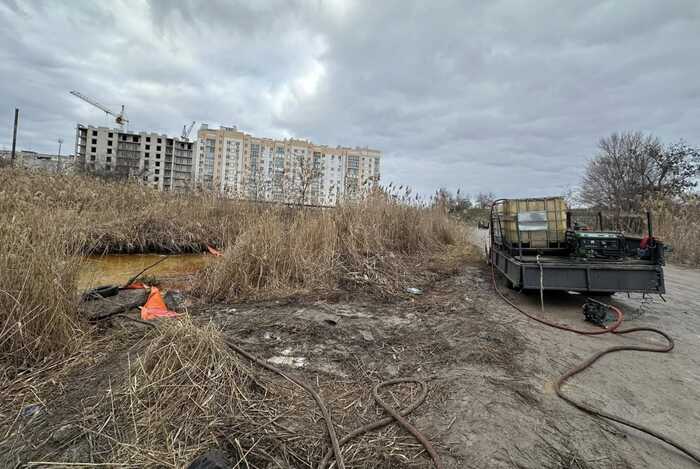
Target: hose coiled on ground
613, 329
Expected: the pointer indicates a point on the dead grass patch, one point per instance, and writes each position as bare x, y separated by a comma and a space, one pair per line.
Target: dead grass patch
109, 217
183, 393
38, 288
678, 223
378, 245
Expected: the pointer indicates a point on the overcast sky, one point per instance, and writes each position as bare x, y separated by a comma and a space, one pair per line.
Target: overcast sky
502, 96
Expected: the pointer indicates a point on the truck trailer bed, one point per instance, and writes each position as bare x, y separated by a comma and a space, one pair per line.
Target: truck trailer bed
571, 274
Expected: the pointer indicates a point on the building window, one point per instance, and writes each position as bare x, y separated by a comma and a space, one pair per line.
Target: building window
157, 155
93, 149
109, 159
148, 147
109, 151
160, 140
155, 178
157, 171
135, 138
147, 155
110, 135
108, 167
92, 157
109, 143
94, 133
94, 141
158, 147
157, 163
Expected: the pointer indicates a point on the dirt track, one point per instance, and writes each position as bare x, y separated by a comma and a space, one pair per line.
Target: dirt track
658, 390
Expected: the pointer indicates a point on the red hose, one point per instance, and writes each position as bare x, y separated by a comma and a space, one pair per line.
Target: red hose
613, 329
619, 316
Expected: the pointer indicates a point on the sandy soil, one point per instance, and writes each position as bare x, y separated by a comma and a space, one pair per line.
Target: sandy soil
658, 390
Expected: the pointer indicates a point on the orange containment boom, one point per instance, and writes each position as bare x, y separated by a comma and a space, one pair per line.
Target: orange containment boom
155, 307
213, 251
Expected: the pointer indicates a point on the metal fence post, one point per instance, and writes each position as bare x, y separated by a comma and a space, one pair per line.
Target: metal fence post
14, 137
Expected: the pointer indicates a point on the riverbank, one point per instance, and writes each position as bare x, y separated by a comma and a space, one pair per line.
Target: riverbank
53, 355
50, 222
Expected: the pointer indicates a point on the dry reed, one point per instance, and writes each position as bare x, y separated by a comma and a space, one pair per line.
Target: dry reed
38, 288
109, 216
677, 223
378, 244
184, 391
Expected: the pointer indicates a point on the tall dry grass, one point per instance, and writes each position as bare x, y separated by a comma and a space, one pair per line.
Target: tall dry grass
183, 390
378, 244
110, 216
38, 287
677, 223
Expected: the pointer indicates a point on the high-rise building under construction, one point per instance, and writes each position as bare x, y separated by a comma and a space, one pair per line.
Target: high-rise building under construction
158, 160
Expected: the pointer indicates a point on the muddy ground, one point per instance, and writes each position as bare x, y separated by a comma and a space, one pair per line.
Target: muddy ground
493, 403
490, 372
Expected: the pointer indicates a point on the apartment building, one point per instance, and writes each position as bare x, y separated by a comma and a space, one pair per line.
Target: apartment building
158, 160
291, 171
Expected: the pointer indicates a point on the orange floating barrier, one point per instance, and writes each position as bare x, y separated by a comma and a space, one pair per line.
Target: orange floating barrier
213, 251
155, 307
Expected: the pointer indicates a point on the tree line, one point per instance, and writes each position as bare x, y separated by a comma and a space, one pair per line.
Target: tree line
458, 202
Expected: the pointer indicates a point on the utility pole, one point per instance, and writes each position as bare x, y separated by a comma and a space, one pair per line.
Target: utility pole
60, 142
14, 137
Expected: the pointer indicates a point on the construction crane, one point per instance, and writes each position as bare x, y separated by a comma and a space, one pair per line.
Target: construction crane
118, 118
186, 131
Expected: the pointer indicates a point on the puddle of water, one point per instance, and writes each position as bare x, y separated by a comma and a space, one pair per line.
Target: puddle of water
118, 268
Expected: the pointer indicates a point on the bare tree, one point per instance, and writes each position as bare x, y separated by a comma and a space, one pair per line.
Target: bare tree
484, 200
632, 167
454, 203
308, 173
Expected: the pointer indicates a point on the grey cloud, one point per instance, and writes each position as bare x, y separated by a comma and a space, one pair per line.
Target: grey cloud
502, 96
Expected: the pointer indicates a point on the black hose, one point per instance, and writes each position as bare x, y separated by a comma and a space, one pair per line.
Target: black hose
133, 279
324, 410
395, 416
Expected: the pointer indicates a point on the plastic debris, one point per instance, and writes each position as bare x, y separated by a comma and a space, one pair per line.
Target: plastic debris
155, 307
31, 410
414, 291
214, 252
296, 362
